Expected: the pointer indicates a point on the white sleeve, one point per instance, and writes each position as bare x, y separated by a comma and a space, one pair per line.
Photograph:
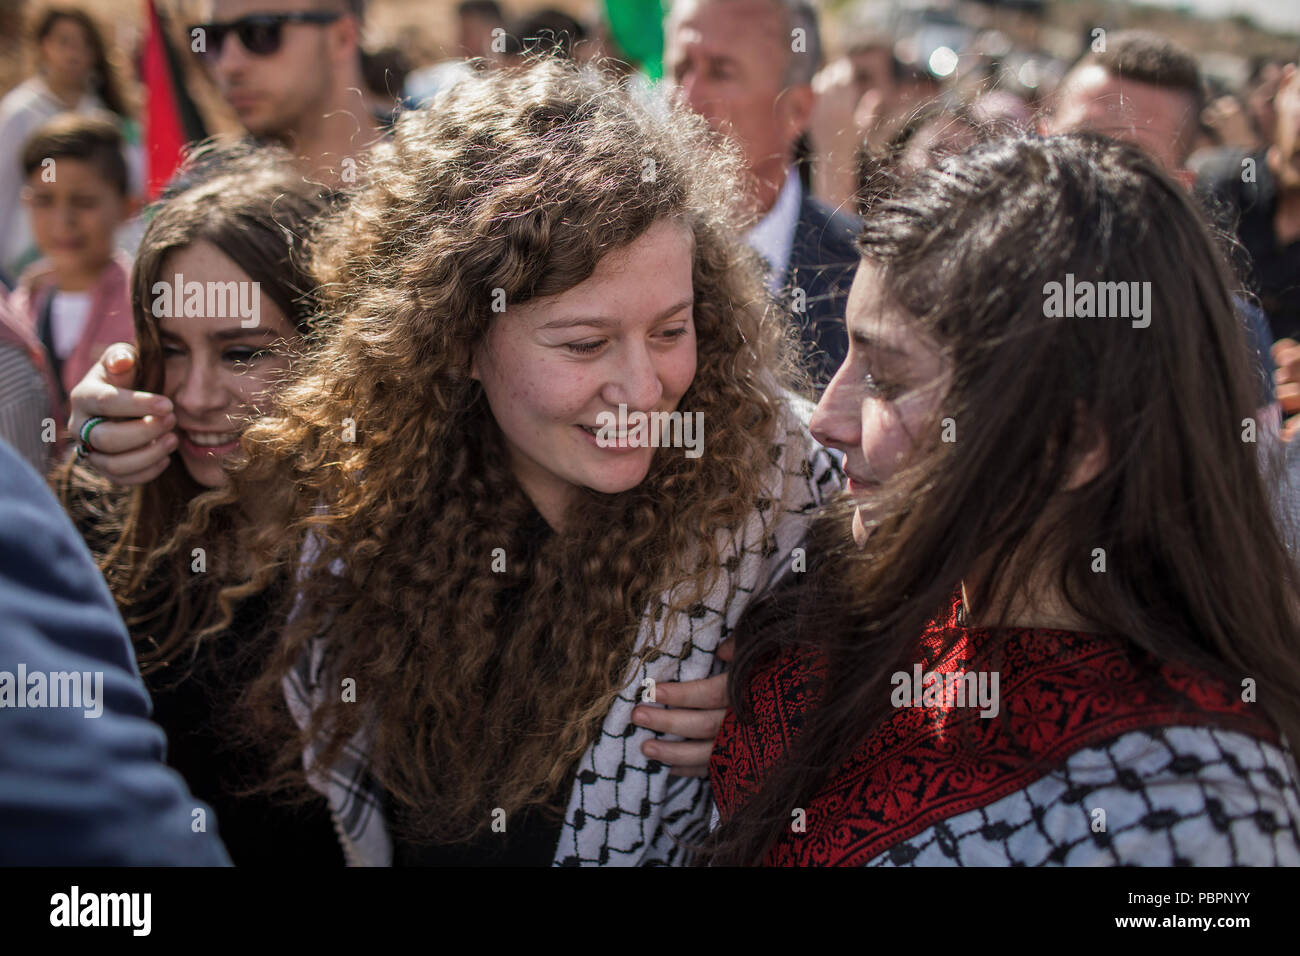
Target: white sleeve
17, 122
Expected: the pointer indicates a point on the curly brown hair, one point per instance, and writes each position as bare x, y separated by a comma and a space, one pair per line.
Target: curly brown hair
522, 180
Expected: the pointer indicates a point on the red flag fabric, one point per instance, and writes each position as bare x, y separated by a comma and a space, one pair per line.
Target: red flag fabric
164, 133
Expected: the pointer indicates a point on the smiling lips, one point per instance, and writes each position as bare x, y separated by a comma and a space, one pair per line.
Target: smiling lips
208, 444
616, 444
212, 438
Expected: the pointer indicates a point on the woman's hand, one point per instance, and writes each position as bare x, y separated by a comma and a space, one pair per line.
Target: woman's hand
694, 710
1286, 355
134, 444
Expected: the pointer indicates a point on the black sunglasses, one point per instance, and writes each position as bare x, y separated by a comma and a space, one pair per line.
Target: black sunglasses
261, 33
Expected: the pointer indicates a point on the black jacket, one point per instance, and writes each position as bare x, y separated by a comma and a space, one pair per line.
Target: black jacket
823, 261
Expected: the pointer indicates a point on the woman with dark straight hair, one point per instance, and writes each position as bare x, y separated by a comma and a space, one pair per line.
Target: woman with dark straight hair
1069, 632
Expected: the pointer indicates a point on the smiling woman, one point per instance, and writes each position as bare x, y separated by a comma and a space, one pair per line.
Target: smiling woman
624, 337
1068, 633
236, 221
217, 369
486, 591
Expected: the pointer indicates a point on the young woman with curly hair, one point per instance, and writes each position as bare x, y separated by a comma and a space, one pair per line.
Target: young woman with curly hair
1070, 633
157, 428
491, 572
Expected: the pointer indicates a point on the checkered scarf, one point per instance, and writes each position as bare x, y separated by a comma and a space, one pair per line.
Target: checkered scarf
624, 808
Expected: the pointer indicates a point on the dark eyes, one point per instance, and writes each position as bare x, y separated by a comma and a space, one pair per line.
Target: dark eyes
879, 388
239, 355
246, 355
591, 348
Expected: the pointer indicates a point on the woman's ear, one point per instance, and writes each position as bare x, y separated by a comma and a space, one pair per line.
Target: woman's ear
1090, 453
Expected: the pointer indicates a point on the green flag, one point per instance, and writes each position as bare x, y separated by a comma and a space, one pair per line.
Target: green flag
637, 27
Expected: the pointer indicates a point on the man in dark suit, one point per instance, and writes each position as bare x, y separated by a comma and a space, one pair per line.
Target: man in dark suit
823, 260
82, 778
721, 59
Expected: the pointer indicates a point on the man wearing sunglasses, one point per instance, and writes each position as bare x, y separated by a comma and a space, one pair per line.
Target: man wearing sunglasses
291, 71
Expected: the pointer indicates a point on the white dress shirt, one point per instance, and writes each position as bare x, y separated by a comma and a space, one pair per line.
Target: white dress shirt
773, 236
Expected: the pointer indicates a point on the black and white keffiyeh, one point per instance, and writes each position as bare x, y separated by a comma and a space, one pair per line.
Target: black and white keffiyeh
1171, 796
624, 809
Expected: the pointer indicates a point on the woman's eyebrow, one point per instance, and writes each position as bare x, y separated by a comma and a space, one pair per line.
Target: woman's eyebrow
225, 335
569, 323
600, 322
876, 345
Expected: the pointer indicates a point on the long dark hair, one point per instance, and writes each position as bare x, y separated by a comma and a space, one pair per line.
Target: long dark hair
1197, 569
254, 206
104, 79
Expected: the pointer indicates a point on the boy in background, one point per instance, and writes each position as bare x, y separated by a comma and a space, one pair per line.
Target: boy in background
76, 299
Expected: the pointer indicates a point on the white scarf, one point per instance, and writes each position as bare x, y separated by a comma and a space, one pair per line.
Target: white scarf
621, 811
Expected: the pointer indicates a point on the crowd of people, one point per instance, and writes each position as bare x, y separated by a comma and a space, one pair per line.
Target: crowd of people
964, 530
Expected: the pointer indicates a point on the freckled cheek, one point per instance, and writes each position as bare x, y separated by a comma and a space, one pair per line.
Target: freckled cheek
678, 372
544, 396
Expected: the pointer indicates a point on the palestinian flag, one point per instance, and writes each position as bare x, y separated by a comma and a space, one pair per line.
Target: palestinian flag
171, 120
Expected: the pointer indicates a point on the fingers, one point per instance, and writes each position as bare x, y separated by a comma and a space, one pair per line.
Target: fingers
868, 108
119, 438
107, 401
94, 396
135, 463
128, 479
119, 361
1289, 396
106, 392
1286, 356
692, 771
697, 725
687, 759
695, 712
707, 693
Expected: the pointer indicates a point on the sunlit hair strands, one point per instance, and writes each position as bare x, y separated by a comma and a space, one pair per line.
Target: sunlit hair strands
520, 181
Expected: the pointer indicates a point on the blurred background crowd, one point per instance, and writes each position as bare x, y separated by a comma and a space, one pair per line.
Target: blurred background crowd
1207, 88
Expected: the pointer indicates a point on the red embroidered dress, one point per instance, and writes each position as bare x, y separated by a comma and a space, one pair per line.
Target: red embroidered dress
1090, 723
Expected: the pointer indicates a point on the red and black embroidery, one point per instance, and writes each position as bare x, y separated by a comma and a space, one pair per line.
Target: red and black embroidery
1062, 692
